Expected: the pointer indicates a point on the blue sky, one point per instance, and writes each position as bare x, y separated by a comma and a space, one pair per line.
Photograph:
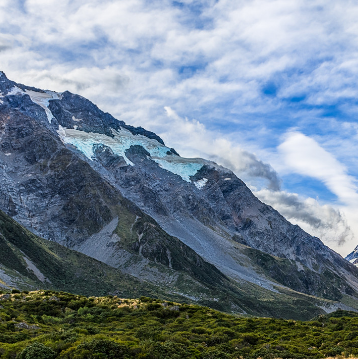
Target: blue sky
267, 88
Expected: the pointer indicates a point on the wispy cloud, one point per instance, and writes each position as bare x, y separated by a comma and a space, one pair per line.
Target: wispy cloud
305, 156
322, 221
192, 138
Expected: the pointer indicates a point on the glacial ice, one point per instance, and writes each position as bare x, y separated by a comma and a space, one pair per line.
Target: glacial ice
15, 91
184, 167
123, 140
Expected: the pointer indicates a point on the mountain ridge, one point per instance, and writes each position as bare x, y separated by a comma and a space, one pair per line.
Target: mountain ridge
70, 171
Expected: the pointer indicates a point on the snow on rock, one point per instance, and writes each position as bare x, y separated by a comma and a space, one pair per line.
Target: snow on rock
353, 256
122, 140
183, 167
201, 183
42, 99
15, 91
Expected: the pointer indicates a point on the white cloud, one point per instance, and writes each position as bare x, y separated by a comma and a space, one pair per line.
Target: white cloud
305, 156
322, 221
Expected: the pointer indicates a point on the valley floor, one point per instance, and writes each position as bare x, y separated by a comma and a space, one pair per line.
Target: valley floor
48, 324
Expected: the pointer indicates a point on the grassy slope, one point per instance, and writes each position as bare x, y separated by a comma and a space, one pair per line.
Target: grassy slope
70, 326
64, 268
71, 271
327, 284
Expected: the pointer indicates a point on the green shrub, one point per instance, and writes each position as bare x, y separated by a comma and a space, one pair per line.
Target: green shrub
153, 306
216, 353
102, 348
169, 350
37, 351
199, 330
251, 339
351, 336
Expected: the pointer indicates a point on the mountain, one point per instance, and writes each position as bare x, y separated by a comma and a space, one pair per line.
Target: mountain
29, 262
353, 256
75, 175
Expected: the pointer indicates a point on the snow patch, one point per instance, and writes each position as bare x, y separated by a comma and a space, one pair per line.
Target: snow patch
201, 183
15, 91
76, 119
42, 99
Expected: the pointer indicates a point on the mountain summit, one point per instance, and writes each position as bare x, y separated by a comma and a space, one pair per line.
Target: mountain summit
353, 256
75, 175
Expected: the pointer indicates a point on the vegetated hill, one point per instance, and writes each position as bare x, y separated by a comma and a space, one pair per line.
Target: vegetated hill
49, 325
77, 176
29, 262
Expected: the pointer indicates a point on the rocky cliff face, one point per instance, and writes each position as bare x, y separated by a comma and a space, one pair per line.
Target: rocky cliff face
78, 176
353, 256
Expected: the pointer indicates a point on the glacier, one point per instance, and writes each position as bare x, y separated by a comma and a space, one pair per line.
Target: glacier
122, 140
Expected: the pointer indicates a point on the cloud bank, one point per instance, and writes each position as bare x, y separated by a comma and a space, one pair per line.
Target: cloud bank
322, 221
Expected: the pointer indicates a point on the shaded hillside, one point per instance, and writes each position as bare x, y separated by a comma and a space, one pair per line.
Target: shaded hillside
32, 262
29, 262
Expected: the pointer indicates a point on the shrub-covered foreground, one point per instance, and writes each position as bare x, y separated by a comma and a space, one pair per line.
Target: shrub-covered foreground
46, 325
